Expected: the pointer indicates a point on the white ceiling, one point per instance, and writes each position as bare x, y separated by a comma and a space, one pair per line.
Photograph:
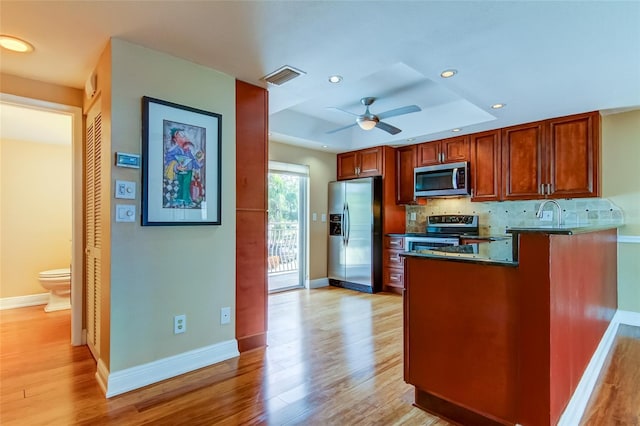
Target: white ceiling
541, 58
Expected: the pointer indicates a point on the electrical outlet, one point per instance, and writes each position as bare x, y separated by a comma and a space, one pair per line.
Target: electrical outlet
179, 324
547, 215
225, 315
413, 216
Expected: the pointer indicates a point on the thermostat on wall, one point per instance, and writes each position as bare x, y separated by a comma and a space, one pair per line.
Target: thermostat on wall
124, 159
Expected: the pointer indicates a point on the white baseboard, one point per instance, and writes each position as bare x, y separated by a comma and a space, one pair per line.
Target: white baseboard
629, 239
580, 398
24, 301
132, 378
317, 283
629, 318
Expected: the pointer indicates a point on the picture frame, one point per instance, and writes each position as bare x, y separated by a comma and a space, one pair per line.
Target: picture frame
181, 165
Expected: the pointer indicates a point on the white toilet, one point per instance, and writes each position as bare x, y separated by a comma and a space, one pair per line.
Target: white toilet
58, 282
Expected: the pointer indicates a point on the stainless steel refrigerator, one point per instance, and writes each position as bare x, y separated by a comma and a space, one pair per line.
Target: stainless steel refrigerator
355, 234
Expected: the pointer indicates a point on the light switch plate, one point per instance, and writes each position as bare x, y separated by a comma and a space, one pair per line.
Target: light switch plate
125, 213
323, 217
126, 189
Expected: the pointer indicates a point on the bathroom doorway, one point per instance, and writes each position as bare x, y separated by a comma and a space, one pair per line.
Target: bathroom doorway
30, 129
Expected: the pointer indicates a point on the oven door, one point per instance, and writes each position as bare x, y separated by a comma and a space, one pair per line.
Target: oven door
428, 243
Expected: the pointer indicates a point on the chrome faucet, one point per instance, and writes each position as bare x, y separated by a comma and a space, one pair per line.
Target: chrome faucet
544, 203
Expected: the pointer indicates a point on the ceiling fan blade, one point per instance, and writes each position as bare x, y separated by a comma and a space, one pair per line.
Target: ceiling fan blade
399, 111
341, 128
342, 110
388, 128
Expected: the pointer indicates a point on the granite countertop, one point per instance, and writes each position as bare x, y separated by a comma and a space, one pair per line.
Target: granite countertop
470, 236
496, 252
562, 230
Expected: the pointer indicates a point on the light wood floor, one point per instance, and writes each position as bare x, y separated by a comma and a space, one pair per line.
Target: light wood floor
334, 358
616, 397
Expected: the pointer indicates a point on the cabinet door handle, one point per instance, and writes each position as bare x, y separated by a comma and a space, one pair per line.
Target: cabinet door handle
548, 189
541, 191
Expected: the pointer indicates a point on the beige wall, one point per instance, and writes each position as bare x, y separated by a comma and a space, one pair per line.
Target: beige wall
35, 229
322, 170
161, 271
620, 184
33, 89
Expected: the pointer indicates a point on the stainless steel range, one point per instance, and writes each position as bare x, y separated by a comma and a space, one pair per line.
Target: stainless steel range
442, 231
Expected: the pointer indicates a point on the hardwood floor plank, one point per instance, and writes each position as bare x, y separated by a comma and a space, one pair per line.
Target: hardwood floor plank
334, 357
616, 397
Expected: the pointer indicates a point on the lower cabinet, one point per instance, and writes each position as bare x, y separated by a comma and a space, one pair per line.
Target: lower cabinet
393, 264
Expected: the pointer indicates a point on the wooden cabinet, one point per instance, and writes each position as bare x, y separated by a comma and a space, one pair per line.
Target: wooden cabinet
393, 270
573, 152
555, 158
405, 163
523, 161
486, 166
443, 151
362, 163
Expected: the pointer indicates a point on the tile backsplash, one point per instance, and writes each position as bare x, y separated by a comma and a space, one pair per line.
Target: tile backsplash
496, 217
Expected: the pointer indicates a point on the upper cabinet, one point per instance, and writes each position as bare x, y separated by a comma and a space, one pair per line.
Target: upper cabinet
486, 166
405, 163
573, 150
443, 151
523, 161
556, 158
362, 163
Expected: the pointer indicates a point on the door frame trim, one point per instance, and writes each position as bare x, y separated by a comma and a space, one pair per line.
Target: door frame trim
77, 335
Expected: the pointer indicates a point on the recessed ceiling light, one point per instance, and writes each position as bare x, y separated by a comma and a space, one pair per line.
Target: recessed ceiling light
325, 146
15, 44
448, 73
411, 139
498, 106
456, 130
335, 79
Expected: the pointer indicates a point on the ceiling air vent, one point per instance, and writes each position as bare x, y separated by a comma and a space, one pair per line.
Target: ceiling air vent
282, 75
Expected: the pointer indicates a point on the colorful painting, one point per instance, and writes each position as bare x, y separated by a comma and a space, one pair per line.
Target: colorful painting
184, 168
181, 165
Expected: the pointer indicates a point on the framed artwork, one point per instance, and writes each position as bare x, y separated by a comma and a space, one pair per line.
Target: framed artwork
181, 166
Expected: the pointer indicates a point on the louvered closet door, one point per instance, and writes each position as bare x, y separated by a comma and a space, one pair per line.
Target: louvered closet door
93, 224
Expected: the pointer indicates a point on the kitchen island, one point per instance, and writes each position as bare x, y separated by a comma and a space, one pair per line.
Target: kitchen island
505, 340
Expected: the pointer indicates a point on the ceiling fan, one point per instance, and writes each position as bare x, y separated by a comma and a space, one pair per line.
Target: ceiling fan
368, 121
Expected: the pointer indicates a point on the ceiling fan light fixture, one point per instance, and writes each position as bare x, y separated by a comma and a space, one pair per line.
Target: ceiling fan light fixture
448, 73
367, 122
15, 44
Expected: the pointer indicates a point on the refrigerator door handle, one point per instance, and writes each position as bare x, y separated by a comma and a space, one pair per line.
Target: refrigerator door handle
348, 230
343, 232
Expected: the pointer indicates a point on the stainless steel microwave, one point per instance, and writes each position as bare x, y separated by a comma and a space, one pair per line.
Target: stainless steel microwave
442, 180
